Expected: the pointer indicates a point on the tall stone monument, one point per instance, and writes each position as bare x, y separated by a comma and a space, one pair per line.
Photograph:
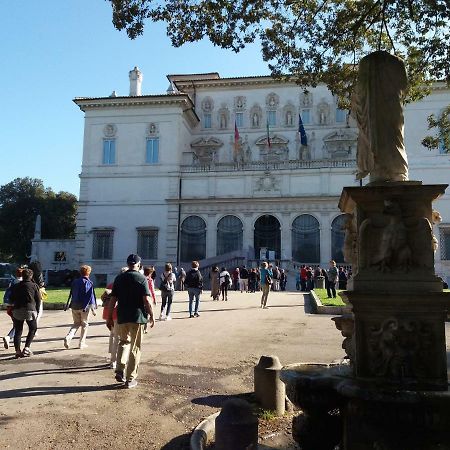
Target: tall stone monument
393, 394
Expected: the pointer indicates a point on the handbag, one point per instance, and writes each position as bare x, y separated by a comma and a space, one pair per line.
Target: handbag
268, 279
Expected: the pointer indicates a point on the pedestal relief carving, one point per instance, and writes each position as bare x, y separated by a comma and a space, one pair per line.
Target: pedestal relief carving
267, 183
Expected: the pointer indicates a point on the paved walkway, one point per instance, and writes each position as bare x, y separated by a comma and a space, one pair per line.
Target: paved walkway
62, 399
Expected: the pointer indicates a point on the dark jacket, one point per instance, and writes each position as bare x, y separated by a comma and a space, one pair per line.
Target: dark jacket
26, 295
194, 279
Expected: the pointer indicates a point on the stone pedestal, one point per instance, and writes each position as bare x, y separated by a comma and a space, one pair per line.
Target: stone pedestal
397, 301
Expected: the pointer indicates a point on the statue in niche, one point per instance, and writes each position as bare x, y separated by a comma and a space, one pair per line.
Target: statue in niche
255, 120
289, 119
323, 111
435, 219
377, 108
223, 120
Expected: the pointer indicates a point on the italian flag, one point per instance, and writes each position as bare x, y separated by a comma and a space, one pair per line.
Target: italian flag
268, 134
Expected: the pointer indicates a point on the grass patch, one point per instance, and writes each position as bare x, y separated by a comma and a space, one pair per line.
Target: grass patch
55, 295
266, 414
322, 294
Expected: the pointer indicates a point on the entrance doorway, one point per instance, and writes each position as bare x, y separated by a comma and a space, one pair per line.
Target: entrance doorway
267, 236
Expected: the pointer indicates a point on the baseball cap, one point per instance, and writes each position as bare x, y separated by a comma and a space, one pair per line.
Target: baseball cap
133, 259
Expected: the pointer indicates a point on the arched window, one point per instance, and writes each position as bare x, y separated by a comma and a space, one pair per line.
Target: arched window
337, 238
229, 235
306, 239
193, 239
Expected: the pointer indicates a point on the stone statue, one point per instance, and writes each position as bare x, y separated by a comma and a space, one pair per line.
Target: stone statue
255, 120
289, 121
377, 108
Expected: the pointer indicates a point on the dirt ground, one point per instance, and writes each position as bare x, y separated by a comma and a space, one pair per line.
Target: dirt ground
61, 399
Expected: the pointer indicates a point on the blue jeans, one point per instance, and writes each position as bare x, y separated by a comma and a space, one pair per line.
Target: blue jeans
194, 292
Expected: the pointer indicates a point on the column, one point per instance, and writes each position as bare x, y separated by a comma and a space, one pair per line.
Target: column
211, 235
286, 236
248, 237
325, 239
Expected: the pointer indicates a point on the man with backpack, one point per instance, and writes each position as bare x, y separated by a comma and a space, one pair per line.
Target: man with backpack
194, 284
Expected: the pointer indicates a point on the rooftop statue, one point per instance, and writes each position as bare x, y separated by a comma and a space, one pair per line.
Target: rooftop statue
377, 108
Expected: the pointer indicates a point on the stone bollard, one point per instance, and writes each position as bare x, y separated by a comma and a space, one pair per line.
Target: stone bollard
236, 427
270, 391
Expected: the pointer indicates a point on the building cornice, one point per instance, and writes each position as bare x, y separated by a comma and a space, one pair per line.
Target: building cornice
181, 100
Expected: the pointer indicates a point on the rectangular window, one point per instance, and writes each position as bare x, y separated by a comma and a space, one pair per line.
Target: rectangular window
272, 118
102, 244
306, 116
207, 122
444, 238
239, 119
152, 151
341, 115
109, 151
147, 244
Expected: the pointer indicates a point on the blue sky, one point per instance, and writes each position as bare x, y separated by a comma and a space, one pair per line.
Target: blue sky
55, 50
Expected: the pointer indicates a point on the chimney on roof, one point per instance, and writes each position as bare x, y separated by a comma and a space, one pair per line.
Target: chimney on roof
135, 82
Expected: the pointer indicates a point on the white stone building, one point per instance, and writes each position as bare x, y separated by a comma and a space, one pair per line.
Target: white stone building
168, 177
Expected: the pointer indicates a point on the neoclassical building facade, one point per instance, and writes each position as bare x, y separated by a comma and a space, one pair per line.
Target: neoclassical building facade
217, 166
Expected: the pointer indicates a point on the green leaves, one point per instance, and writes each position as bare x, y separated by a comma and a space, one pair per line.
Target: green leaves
21, 201
314, 40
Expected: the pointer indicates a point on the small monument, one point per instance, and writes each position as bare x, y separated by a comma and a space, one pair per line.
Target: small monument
393, 392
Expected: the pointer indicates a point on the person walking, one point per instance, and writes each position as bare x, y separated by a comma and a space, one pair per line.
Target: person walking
167, 288
9, 338
243, 276
333, 276
26, 301
182, 279
225, 282
283, 280
342, 279
215, 283
194, 284
82, 300
266, 283
131, 293
236, 280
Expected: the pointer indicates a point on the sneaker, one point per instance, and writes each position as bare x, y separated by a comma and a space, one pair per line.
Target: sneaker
266, 307
131, 384
168, 318
113, 365
6, 342
83, 345
162, 317
26, 352
119, 377
196, 315
66, 342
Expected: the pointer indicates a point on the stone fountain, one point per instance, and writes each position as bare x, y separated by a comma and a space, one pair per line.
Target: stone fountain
392, 392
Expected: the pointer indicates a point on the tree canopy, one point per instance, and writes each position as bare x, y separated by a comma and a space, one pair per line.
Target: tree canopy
312, 40
21, 201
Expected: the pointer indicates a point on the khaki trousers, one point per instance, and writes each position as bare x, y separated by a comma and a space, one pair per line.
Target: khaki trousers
129, 351
265, 293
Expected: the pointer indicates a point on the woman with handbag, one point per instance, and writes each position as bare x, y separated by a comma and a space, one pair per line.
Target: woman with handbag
167, 287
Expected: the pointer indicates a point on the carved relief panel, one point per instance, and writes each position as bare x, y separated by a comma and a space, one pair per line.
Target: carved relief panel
272, 101
278, 150
205, 150
240, 103
306, 99
110, 130
340, 144
207, 104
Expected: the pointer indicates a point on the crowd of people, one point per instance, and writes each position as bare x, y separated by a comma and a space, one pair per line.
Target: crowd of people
129, 300
307, 278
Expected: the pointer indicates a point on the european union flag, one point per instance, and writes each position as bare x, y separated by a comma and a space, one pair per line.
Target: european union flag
302, 132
